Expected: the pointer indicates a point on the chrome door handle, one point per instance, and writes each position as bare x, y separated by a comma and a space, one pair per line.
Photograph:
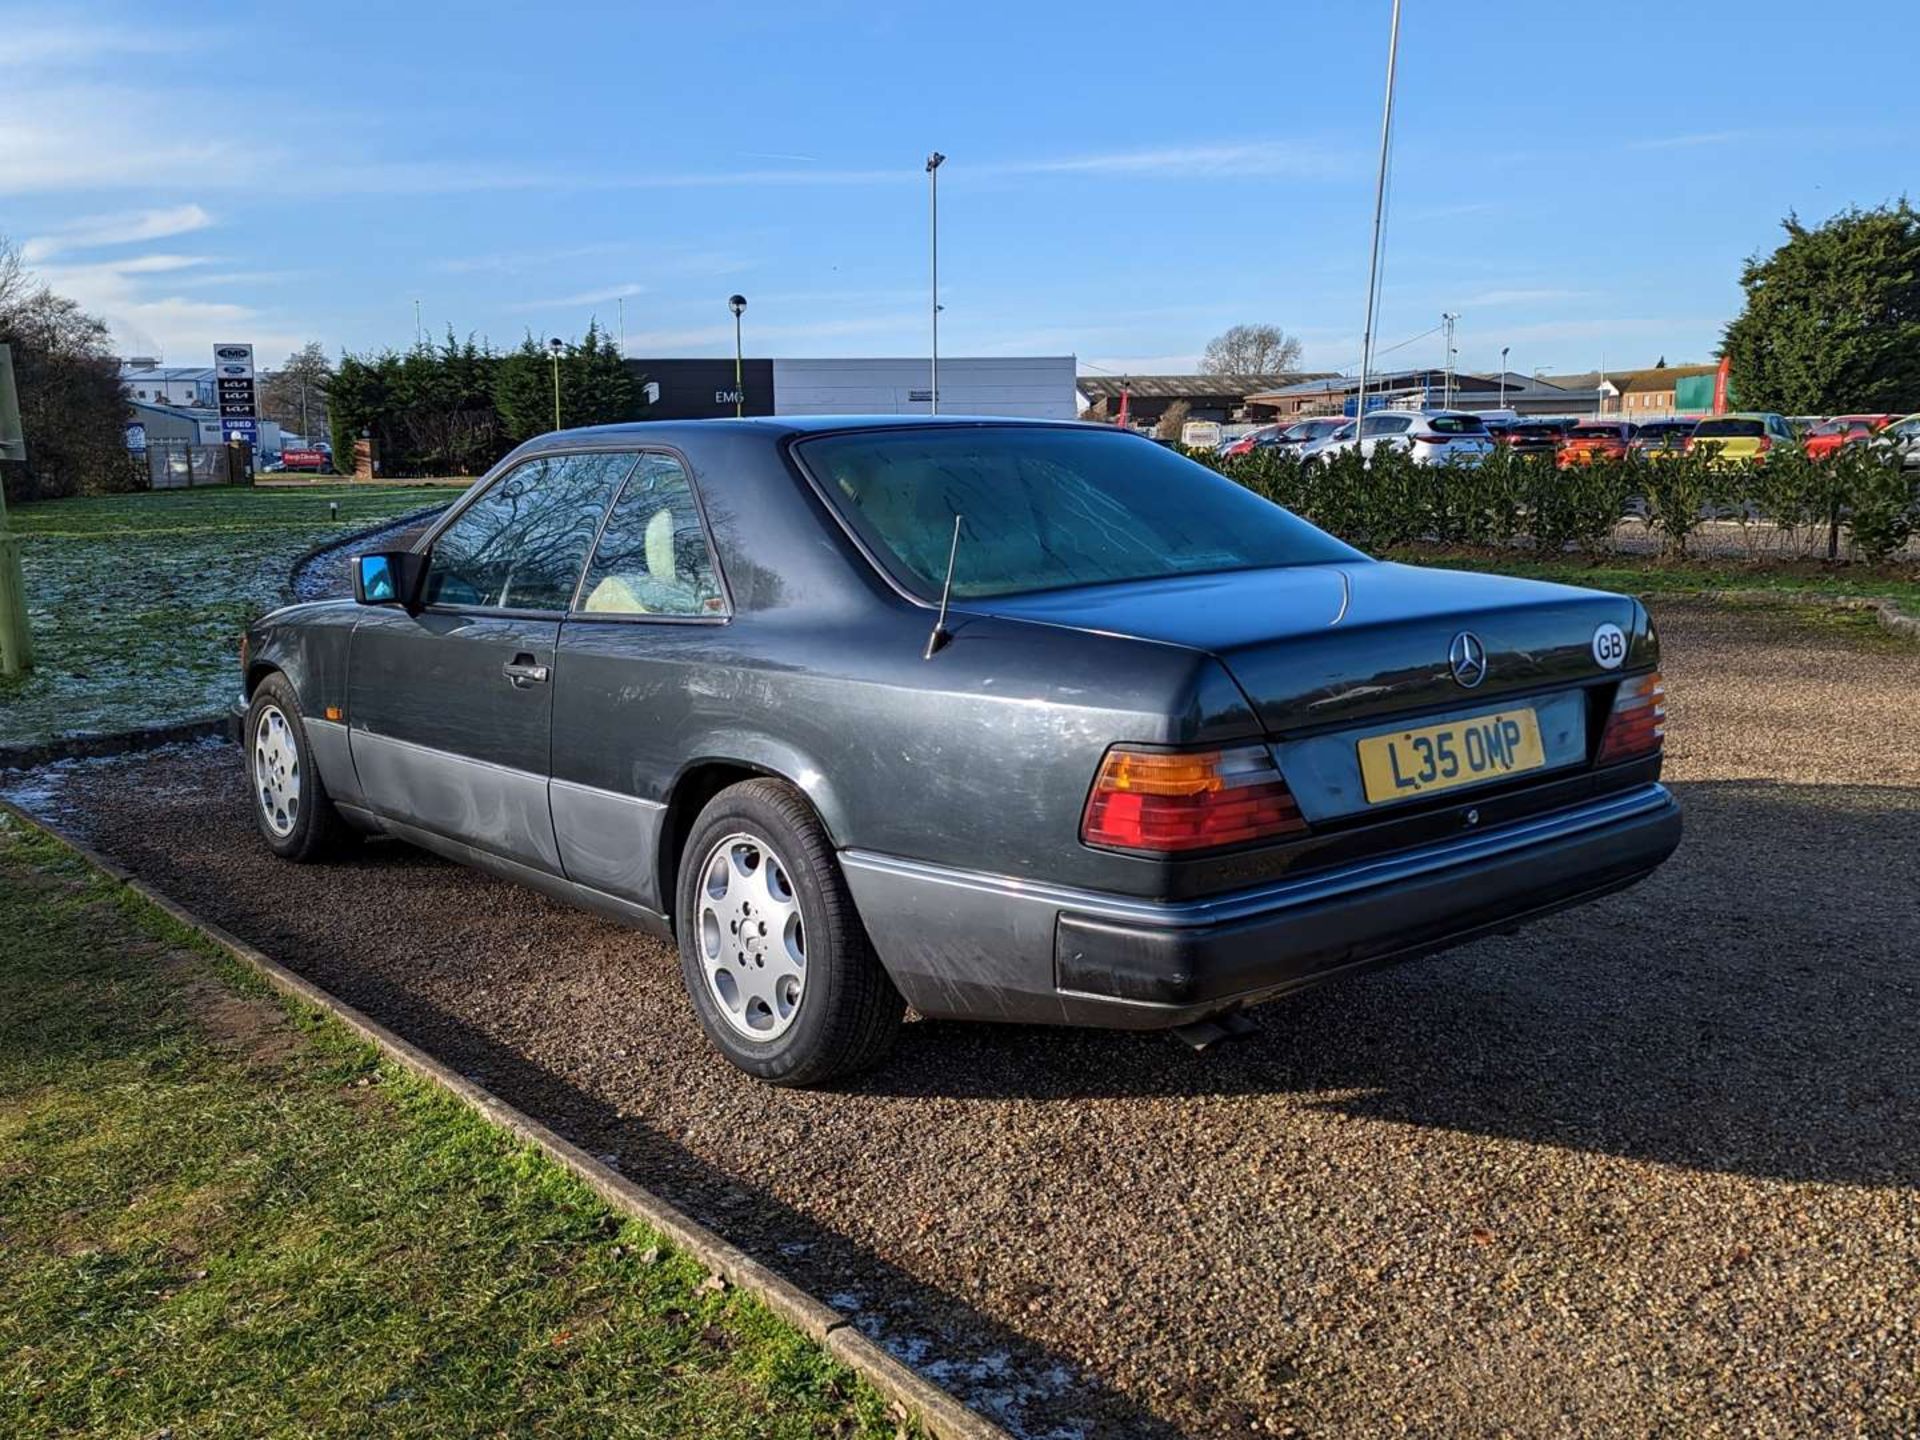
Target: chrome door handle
522, 672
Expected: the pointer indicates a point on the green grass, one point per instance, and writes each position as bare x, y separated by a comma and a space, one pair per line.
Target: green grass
221, 1214
137, 601
1790, 579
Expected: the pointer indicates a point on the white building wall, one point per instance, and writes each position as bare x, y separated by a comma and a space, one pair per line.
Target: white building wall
1040, 388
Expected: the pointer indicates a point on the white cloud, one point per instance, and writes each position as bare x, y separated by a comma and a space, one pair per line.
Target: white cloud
49, 41
1245, 159
144, 320
97, 138
585, 297
127, 228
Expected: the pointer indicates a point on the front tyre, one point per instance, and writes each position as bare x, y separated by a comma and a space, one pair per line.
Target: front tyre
772, 952
290, 804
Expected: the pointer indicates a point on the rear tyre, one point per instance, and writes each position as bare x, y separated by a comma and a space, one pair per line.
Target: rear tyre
291, 808
773, 954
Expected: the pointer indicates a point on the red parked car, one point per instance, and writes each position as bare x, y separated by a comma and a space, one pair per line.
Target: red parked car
1829, 435
1592, 440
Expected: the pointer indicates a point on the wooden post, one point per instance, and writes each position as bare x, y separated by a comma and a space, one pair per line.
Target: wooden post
16, 641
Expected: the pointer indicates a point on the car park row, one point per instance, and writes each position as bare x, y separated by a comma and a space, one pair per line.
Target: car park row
1434, 436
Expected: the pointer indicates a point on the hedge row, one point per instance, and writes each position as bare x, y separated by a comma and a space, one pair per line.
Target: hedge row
1860, 494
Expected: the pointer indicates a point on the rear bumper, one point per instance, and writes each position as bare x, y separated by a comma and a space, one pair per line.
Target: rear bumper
978, 946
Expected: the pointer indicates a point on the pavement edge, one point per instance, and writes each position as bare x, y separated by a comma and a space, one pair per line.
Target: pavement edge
943, 1415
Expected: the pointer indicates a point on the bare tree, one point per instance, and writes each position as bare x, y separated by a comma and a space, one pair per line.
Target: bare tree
72, 405
1172, 419
14, 279
1251, 350
295, 395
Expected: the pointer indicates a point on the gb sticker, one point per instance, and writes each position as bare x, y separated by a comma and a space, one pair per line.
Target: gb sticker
1609, 647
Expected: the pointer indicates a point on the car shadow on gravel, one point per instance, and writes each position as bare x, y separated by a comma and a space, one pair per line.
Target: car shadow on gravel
1011, 1378
1753, 1008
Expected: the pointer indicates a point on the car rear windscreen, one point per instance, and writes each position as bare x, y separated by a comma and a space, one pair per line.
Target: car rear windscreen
1729, 428
1455, 425
1046, 508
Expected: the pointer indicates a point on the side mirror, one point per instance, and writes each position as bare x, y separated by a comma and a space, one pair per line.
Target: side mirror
389, 577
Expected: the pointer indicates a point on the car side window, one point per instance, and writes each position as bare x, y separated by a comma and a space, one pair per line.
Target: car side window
521, 545
653, 557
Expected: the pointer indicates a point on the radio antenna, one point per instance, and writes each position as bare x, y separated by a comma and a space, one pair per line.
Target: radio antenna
940, 636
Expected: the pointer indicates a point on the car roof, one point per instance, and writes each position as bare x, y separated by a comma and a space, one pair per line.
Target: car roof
641, 432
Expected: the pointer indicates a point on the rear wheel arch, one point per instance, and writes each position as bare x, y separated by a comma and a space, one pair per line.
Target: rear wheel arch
690, 793
258, 671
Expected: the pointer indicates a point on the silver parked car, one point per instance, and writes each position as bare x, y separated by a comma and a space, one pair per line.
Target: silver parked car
1430, 436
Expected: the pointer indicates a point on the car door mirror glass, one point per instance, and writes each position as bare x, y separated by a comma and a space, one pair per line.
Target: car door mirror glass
387, 577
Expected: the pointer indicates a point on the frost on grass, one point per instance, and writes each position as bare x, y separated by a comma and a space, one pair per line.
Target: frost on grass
137, 601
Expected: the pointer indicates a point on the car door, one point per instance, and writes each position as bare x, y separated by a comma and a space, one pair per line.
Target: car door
1390, 430
450, 707
635, 689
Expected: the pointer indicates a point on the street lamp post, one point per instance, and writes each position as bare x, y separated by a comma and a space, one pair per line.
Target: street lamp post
1379, 212
554, 347
1503, 375
934, 162
738, 305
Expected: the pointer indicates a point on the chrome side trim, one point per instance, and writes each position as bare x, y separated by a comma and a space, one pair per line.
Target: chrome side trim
1284, 894
595, 792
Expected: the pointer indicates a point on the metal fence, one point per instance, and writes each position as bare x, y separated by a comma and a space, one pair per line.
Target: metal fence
178, 464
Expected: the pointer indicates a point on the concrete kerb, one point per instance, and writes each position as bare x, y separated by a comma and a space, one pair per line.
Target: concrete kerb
314, 552
1888, 612
942, 1414
117, 742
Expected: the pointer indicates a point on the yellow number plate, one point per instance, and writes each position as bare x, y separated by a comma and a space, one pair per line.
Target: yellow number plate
1460, 752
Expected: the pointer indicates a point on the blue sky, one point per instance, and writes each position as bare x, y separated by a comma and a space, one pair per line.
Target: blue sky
1123, 181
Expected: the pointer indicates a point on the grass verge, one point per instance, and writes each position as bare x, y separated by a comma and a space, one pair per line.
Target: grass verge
221, 1214
1634, 574
137, 601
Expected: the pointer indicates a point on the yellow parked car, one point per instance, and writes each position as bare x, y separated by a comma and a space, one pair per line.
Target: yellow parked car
1745, 435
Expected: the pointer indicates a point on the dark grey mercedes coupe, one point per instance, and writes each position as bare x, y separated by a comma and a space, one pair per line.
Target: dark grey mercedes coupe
1003, 720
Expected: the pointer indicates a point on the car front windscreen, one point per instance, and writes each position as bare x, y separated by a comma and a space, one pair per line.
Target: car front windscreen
1045, 509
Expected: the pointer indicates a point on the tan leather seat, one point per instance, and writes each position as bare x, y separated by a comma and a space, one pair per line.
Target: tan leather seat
625, 592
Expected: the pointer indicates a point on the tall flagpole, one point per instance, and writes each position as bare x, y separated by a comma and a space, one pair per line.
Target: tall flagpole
933, 230
1373, 260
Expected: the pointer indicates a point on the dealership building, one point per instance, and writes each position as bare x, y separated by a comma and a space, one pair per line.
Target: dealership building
1035, 387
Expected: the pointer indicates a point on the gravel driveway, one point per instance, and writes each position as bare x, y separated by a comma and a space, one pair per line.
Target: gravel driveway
1650, 1167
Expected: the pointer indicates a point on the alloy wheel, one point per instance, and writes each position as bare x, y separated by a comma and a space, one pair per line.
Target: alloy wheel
751, 937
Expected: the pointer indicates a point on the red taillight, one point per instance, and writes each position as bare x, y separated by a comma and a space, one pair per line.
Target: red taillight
1764, 446
1191, 800
1637, 725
